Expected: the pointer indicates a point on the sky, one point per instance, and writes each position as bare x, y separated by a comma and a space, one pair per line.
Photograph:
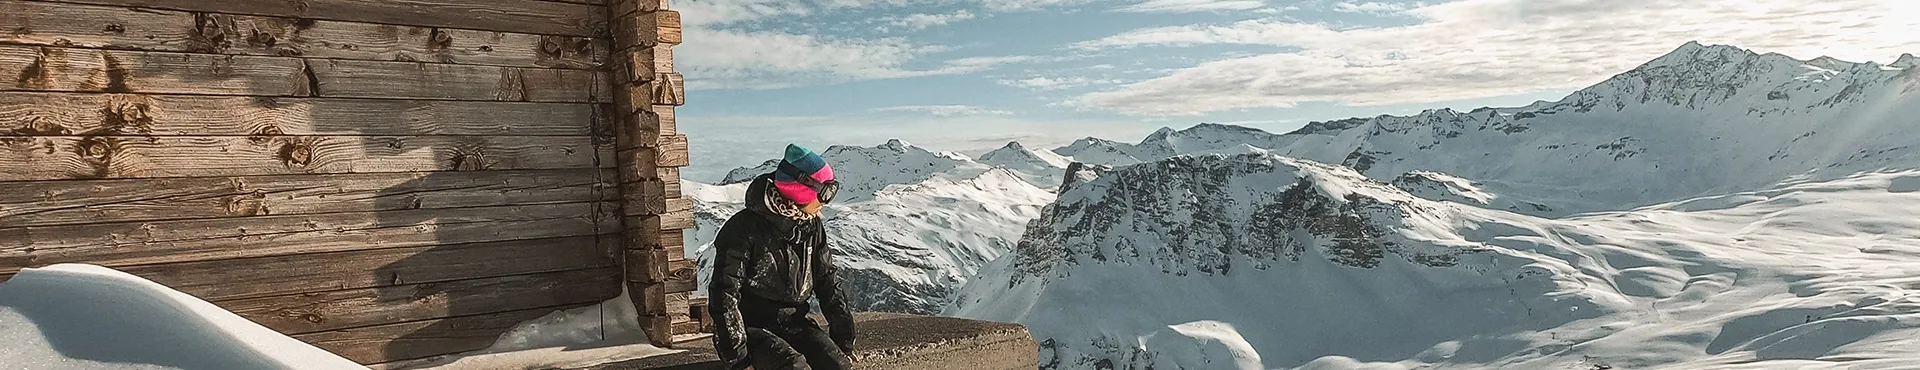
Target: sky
971, 75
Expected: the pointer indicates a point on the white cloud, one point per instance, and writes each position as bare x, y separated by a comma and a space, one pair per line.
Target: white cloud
1483, 48
945, 110
1190, 6
1049, 83
1369, 7
728, 59
916, 22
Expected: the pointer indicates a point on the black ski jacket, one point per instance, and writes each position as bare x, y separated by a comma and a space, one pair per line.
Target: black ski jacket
765, 267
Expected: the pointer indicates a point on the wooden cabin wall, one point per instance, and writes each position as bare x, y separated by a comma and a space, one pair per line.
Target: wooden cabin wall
387, 180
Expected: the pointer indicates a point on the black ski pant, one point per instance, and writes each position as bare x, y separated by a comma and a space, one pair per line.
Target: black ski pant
794, 344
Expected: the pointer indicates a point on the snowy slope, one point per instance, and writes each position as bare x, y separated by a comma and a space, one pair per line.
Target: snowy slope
72, 316
1699, 121
1258, 261
916, 233
1039, 167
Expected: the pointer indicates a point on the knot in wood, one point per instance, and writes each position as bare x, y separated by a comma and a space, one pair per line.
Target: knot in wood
440, 40
312, 318
261, 39
297, 152
549, 46
209, 32
94, 148
116, 28
127, 117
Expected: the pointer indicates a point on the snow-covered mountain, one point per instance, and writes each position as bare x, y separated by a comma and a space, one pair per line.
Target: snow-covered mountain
1701, 120
1039, 167
910, 225
1258, 261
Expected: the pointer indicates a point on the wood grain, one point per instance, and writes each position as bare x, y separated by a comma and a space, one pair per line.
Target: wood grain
229, 279
44, 68
353, 308
645, 265
681, 277
42, 203
104, 157
625, 7
155, 242
526, 16
669, 88
56, 114
121, 28
658, 239
646, 29
673, 152
422, 339
372, 79
641, 65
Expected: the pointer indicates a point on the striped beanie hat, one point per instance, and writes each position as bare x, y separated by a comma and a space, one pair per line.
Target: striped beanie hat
807, 163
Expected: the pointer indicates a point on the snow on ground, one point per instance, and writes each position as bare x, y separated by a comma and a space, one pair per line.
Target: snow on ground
1260, 269
73, 316
605, 333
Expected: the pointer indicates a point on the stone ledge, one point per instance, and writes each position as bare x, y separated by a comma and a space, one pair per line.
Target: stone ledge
890, 341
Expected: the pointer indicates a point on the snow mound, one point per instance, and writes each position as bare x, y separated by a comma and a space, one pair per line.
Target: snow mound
73, 316
1262, 261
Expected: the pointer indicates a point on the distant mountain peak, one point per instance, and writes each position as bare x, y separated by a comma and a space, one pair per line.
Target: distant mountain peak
1906, 61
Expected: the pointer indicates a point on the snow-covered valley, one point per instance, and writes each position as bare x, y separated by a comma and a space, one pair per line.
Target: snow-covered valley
1713, 208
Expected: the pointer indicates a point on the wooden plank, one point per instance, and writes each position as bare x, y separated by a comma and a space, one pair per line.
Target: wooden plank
353, 308
658, 239
646, 29
625, 7
43, 68
283, 275
669, 88
52, 113
673, 152
422, 339
141, 243
528, 16
647, 299
665, 116
374, 79
679, 307
121, 28
647, 232
40, 203
105, 157
642, 64
647, 266
681, 277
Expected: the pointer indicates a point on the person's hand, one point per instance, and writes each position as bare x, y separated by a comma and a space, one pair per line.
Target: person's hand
812, 208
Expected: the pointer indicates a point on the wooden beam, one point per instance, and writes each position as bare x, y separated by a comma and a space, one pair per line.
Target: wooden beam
46, 68
241, 278
122, 28
646, 29
659, 239
527, 16
42, 203
354, 308
681, 276
109, 157
626, 7
669, 88
426, 338
89, 70
155, 242
673, 152
647, 266
643, 64
57, 114
402, 80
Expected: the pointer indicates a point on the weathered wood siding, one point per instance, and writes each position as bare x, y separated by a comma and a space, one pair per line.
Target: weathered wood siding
650, 152
388, 180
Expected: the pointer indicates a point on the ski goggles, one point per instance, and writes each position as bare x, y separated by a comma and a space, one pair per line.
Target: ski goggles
824, 191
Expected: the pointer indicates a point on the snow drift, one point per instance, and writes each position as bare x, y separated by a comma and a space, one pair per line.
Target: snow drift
73, 316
